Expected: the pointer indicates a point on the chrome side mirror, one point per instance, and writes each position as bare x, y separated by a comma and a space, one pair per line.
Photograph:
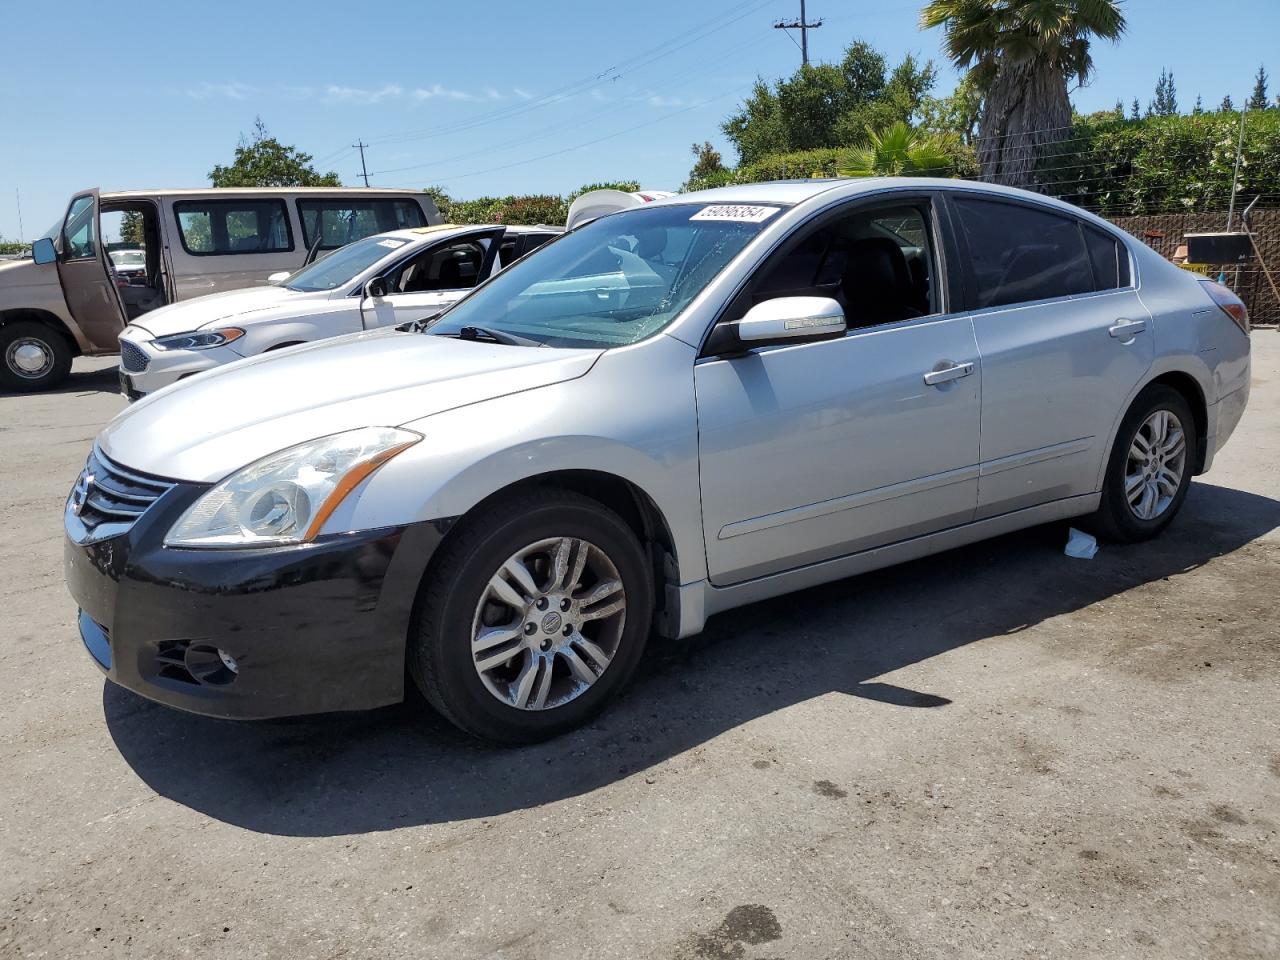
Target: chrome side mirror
376, 288
278, 278
43, 251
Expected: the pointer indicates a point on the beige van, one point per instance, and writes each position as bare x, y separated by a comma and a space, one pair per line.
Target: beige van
69, 300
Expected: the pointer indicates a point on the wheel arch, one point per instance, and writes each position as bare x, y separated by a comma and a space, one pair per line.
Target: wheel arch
627, 499
1190, 389
44, 318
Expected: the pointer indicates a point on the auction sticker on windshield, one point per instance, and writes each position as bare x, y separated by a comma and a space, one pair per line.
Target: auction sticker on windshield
392, 243
735, 211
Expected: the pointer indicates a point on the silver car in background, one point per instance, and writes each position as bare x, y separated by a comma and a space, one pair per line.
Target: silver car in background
671, 411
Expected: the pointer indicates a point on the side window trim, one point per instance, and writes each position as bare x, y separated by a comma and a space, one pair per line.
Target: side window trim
209, 203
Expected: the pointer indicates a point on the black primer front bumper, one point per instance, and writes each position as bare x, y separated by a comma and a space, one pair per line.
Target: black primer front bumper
311, 628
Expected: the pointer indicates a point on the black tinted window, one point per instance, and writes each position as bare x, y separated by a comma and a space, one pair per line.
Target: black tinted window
344, 220
1110, 259
214, 227
1019, 253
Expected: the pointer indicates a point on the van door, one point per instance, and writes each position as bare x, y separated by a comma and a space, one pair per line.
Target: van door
88, 282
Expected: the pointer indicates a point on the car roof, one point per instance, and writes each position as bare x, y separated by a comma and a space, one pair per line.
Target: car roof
262, 191
457, 229
791, 192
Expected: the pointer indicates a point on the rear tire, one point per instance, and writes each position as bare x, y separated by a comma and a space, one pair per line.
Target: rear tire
535, 615
32, 357
1149, 470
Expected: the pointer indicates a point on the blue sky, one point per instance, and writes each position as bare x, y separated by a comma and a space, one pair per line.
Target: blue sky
484, 98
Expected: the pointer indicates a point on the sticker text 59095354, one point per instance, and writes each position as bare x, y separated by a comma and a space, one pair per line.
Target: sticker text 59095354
743, 212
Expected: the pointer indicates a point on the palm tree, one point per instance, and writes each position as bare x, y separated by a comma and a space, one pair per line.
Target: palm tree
901, 151
1021, 54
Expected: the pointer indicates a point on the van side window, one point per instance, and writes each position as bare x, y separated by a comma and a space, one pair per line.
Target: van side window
220, 227
343, 220
1109, 257
1018, 253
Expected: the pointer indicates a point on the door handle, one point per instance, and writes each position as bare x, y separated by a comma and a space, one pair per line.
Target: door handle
947, 374
1127, 329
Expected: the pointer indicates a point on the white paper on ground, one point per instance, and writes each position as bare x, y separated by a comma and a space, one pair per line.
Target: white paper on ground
1080, 545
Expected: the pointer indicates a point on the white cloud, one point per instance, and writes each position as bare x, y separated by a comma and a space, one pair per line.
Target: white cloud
231, 91
522, 94
337, 94
492, 94
437, 90
656, 101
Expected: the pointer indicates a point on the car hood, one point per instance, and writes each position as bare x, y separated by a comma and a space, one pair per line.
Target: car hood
192, 314
203, 428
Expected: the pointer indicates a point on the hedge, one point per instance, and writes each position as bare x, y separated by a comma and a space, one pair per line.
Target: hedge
1165, 164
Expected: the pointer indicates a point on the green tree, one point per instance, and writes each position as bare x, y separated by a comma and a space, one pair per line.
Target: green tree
442, 200
828, 105
1135, 111
131, 231
708, 168
901, 151
1021, 54
1165, 103
1198, 109
1227, 105
956, 114
263, 161
1259, 99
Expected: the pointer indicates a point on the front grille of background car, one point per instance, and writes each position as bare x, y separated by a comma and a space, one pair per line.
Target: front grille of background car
132, 357
107, 493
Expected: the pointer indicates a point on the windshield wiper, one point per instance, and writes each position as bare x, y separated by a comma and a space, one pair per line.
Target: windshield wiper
497, 336
417, 326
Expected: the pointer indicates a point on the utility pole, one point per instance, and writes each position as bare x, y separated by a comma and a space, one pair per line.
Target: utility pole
21, 233
1235, 177
804, 26
364, 172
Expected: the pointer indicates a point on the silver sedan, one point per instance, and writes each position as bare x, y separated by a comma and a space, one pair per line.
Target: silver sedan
674, 410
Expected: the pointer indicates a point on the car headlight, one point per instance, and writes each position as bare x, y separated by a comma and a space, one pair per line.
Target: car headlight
198, 339
287, 497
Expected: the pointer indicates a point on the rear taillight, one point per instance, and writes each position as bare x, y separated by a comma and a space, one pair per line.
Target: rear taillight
1231, 305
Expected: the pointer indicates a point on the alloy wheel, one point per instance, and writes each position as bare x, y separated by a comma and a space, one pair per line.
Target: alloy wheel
548, 623
1156, 463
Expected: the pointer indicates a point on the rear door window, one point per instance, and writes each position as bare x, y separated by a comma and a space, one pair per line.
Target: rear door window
344, 220
221, 227
1019, 253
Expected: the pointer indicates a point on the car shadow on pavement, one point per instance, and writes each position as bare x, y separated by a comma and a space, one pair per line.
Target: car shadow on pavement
402, 766
96, 380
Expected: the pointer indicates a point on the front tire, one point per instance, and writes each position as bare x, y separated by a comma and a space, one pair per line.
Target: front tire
534, 617
32, 357
1149, 470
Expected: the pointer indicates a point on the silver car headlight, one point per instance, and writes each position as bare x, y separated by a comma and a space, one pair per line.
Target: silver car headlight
288, 496
198, 339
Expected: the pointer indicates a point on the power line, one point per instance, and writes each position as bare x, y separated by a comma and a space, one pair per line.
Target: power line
804, 26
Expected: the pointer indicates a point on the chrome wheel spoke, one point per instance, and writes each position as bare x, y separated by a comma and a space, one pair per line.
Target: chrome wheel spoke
1173, 444
593, 651
578, 666
568, 563
498, 659
1133, 485
1140, 449
501, 586
1167, 481
605, 599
